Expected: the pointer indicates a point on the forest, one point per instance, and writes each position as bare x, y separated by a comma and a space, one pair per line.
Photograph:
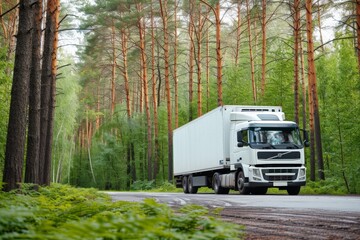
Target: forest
91, 90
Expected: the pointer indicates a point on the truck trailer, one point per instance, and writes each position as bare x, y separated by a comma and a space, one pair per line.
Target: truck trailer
243, 148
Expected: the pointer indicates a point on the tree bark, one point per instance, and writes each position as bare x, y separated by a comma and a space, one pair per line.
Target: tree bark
113, 70
191, 59
33, 141
153, 80
218, 53
164, 15
176, 95
313, 89
238, 32
263, 55
297, 32
46, 82
199, 38
52, 103
16, 135
141, 27
253, 83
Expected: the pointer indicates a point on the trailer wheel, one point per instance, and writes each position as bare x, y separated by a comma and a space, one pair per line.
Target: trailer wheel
216, 185
185, 184
293, 190
241, 184
191, 187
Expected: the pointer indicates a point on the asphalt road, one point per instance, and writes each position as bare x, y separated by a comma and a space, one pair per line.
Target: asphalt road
273, 216
300, 202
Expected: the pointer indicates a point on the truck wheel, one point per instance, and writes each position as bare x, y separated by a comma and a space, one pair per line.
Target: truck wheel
191, 187
241, 184
216, 185
259, 190
185, 184
293, 190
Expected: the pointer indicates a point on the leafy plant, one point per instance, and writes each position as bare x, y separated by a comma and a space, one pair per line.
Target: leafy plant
64, 212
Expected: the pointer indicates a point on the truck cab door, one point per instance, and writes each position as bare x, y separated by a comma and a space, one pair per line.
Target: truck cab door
241, 151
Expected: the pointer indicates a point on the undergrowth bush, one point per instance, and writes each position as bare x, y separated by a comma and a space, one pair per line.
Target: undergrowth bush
64, 212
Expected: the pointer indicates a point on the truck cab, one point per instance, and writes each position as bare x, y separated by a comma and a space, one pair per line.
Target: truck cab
266, 151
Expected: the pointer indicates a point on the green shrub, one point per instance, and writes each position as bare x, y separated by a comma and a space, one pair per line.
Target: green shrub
64, 212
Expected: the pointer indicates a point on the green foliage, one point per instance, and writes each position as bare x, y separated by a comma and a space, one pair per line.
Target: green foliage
340, 99
165, 187
66, 112
63, 212
142, 185
331, 186
5, 89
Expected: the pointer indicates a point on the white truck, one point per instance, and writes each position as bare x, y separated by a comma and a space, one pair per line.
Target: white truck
244, 148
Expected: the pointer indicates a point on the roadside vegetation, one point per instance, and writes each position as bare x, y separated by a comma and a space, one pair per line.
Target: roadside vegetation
64, 212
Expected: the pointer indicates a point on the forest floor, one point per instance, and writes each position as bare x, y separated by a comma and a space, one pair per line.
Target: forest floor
275, 223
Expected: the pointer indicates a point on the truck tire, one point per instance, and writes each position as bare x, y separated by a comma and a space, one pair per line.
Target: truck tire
241, 184
184, 182
216, 185
191, 187
293, 190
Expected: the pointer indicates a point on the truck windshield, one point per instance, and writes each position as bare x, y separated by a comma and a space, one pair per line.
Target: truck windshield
279, 138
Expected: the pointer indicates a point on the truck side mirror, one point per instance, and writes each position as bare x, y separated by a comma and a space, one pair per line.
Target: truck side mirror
306, 138
239, 136
239, 139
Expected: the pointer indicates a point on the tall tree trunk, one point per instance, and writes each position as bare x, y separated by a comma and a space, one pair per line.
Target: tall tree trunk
153, 80
52, 103
253, 83
113, 70
15, 142
207, 63
313, 88
141, 27
175, 67
218, 53
263, 55
124, 46
199, 39
297, 32
33, 141
46, 81
191, 58
238, 31
303, 84
164, 15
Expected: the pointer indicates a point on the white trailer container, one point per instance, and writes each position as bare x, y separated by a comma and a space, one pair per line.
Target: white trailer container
220, 150
202, 144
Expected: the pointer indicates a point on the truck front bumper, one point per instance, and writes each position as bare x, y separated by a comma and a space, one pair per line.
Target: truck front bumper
274, 184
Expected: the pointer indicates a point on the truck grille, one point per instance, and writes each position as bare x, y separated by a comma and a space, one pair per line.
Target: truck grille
278, 155
280, 174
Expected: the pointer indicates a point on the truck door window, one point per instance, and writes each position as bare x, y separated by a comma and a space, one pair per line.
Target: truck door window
245, 136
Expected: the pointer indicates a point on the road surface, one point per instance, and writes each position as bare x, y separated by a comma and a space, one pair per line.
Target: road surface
274, 216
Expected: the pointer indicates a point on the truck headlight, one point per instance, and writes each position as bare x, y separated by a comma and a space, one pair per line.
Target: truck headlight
256, 174
302, 174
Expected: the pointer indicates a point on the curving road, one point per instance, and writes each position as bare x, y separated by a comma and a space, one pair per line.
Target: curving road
274, 216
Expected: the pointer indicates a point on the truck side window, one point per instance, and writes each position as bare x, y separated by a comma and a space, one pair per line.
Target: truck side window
245, 136
242, 136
